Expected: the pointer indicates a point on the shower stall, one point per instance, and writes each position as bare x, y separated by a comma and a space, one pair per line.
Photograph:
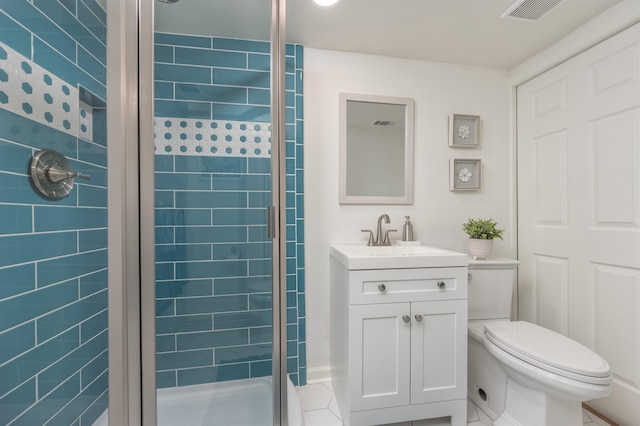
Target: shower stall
168, 286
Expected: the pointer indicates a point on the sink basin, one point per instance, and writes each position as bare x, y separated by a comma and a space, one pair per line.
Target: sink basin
396, 257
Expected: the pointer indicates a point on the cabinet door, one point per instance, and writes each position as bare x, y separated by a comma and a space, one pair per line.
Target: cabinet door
379, 355
438, 351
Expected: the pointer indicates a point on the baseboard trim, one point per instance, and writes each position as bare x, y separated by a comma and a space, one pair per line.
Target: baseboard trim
600, 416
318, 374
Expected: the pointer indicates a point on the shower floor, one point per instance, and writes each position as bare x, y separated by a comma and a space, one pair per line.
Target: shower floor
235, 403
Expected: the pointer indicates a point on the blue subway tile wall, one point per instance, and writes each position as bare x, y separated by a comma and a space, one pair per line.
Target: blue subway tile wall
213, 165
53, 254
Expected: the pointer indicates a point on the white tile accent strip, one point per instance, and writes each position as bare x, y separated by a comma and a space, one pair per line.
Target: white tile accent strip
86, 121
185, 136
31, 91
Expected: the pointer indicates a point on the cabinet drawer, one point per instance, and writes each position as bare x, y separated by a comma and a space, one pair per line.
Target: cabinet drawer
407, 285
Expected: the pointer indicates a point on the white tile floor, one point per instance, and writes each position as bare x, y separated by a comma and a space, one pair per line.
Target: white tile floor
320, 409
319, 405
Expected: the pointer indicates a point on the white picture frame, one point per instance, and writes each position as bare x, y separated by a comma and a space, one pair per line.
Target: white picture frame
464, 131
465, 174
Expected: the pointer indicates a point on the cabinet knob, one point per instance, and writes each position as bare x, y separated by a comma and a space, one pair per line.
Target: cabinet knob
441, 284
418, 317
382, 287
406, 318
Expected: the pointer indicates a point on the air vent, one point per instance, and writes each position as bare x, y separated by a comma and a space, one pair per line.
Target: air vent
530, 10
383, 123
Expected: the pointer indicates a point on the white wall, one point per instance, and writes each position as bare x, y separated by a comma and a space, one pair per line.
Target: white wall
437, 214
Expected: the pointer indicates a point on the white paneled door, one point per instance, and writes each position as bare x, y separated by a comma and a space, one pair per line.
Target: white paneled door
579, 208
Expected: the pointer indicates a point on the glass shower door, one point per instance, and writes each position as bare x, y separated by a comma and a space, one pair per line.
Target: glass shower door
53, 229
214, 159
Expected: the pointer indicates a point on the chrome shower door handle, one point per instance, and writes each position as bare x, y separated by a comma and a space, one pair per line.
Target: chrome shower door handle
271, 221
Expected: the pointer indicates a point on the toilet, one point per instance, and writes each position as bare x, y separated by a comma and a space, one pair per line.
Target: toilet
520, 373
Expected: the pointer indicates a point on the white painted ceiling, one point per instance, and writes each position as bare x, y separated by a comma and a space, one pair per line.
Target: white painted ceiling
468, 32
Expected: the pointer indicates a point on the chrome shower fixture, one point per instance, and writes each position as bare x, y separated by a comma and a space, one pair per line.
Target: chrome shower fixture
52, 175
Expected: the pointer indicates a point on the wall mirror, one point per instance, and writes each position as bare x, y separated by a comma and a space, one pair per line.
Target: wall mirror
376, 149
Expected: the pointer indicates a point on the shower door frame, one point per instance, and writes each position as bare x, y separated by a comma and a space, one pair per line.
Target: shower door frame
123, 213
278, 209
144, 188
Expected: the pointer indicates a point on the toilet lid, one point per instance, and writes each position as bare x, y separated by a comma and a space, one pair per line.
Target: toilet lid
548, 350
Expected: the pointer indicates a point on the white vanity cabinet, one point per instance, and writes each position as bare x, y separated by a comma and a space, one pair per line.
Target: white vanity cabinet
399, 343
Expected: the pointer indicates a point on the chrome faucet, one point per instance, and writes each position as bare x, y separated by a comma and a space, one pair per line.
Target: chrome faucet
380, 238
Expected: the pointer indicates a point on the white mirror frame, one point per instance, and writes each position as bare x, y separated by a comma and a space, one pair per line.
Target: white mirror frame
408, 103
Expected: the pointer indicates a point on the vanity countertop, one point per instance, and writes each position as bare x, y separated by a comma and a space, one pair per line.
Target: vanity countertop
355, 257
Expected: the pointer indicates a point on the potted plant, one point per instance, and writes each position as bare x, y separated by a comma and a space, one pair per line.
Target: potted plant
481, 235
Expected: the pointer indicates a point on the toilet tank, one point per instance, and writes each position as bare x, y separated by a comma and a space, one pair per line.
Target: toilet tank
490, 288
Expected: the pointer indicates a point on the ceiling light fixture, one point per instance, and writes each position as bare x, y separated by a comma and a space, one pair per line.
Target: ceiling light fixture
325, 2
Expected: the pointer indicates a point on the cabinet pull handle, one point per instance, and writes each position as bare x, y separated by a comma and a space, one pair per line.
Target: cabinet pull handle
418, 317
406, 318
382, 287
441, 284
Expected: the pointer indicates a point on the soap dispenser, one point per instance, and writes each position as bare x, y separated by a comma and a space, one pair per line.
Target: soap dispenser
407, 230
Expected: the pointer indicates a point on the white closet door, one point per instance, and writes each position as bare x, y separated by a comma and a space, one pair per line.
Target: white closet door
579, 208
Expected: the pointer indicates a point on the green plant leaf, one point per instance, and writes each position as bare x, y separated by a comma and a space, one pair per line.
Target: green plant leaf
482, 229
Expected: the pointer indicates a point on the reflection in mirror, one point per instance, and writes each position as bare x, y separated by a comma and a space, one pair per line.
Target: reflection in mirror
376, 149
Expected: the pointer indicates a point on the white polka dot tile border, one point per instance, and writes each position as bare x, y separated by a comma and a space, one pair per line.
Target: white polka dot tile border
179, 136
31, 91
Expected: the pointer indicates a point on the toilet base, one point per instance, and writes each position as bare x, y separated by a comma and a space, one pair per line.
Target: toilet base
529, 407
515, 393
487, 381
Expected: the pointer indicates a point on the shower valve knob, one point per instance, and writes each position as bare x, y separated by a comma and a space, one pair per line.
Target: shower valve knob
52, 175
56, 173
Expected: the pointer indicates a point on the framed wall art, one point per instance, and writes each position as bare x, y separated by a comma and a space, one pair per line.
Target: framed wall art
465, 174
464, 131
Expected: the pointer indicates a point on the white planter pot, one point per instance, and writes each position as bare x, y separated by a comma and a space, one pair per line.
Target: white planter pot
480, 249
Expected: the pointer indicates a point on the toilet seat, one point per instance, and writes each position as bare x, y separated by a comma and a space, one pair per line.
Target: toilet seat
549, 351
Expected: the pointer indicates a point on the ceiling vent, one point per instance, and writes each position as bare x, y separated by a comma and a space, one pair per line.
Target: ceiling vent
383, 123
530, 10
